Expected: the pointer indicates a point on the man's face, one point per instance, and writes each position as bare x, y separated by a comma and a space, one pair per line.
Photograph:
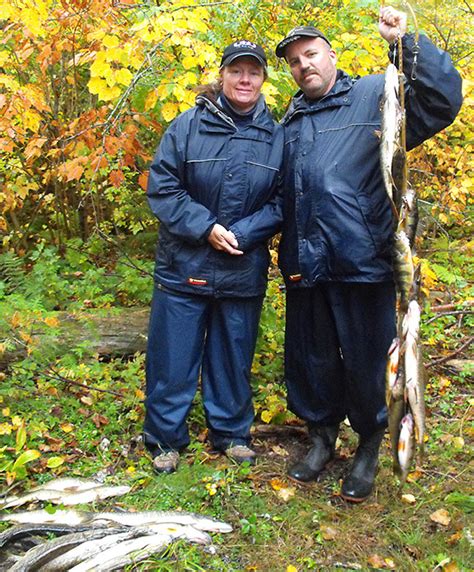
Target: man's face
313, 66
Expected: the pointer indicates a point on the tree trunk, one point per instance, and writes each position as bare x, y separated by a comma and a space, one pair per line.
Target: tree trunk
115, 332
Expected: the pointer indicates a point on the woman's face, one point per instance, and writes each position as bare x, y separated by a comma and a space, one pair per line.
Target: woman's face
241, 82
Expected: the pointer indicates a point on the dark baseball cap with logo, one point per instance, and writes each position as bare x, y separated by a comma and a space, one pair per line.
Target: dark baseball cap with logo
296, 34
243, 48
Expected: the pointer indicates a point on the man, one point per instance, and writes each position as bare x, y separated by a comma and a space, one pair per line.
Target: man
335, 251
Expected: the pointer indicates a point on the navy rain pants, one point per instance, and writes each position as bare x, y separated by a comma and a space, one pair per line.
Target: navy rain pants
336, 343
193, 335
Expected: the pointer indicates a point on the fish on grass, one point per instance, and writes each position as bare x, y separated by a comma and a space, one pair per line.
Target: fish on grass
63, 484
94, 550
135, 550
99, 492
40, 555
74, 517
15, 533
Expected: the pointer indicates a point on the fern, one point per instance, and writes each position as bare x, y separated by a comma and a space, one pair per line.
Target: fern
12, 273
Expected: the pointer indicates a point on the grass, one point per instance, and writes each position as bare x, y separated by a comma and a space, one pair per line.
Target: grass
277, 524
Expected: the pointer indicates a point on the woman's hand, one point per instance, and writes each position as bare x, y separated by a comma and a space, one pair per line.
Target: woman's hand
222, 239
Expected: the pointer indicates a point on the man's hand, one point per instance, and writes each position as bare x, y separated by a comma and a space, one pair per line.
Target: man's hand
222, 239
392, 24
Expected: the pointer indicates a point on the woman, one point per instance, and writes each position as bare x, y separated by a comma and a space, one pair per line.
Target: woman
213, 187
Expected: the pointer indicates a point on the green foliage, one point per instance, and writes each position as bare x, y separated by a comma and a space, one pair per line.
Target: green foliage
78, 276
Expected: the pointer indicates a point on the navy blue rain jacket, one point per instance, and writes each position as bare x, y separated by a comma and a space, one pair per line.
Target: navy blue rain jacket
206, 171
337, 217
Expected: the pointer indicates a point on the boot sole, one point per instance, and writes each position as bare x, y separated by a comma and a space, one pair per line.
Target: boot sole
355, 500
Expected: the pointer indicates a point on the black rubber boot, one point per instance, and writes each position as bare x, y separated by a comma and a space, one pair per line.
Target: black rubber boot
322, 451
359, 483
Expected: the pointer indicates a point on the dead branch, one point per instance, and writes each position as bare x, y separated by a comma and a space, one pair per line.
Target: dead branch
444, 359
57, 376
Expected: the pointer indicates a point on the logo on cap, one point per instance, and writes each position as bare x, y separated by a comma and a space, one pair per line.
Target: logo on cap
245, 44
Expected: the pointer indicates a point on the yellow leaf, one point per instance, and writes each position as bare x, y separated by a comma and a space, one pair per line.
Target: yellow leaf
110, 93
266, 416
4, 56
99, 69
26, 457
163, 90
291, 568
169, 111
441, 516
408, 499
151, 99
96, 85
54, 462
111, 41
5, 429
179, 92
20, 436
17, 421
6, 412
67, 427
123, 76
458, 443
189, 62
286, 493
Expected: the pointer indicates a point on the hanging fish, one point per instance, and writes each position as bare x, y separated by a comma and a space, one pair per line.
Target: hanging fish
414, 373
406, 445
395, 392
402, 268
390, 144
409, 215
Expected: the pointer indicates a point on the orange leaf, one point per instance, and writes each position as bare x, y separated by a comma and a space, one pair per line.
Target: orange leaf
116, 178
51, 321
276, 484
328, 533
143, 180
75, 173
441, 516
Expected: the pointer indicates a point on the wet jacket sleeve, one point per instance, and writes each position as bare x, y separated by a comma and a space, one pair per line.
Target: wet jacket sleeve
167, 196
262, 224
433, 91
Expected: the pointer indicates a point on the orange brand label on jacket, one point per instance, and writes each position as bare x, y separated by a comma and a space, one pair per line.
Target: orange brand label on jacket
295, 277
197, 282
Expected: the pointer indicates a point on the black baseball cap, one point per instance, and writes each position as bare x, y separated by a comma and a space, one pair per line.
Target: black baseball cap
296, 34
243, 48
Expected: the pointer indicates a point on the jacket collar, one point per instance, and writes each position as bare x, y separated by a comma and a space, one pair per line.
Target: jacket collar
261, 116
300, 104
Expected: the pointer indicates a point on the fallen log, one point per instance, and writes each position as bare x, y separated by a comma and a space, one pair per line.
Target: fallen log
113, 332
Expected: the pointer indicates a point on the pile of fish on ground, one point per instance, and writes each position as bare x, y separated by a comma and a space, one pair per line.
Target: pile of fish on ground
405, 378
89, 541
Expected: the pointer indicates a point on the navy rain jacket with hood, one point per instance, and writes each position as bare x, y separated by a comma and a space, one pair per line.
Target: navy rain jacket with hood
337, 217
206, 171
